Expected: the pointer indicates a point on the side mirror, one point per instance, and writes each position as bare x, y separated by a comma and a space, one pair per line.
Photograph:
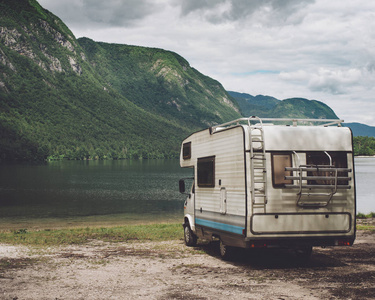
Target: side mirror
181, 185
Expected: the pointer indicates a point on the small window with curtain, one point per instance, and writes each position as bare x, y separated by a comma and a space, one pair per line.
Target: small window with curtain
206, 171
186, 150
279, 162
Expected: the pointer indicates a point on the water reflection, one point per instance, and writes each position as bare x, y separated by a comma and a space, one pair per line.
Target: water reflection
84, 188
117, 190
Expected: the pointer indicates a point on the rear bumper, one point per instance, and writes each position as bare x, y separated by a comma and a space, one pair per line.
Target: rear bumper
280, 242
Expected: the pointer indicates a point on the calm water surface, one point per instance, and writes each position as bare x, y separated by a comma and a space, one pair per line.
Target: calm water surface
146, 190
365, 180
114, 190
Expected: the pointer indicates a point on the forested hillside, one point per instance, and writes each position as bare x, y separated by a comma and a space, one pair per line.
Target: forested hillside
161, 82
364, 145
61, 99
270, 107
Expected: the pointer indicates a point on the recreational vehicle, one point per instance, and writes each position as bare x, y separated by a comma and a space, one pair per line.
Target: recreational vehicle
270, 183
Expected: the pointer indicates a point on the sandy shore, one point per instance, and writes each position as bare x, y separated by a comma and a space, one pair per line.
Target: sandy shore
170, 270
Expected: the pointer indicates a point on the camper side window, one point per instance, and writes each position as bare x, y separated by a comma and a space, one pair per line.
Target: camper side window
279, 162
339, 160
186, 150
206, 171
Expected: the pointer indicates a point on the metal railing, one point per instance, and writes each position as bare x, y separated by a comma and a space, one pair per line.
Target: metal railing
282, 121
308, 185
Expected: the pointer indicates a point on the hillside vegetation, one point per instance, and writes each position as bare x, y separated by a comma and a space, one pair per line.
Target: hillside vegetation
79, 99
364, 145
61, 99
270, 107
161, 82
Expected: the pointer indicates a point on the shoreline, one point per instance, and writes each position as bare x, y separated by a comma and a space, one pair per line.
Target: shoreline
111, 220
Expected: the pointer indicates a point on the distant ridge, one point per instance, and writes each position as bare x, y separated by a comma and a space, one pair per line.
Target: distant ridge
359, 129
267, 106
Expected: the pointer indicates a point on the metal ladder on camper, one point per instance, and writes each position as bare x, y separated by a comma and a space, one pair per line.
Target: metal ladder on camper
258, 170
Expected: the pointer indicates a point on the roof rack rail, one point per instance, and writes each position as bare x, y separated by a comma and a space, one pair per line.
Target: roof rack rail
284, 121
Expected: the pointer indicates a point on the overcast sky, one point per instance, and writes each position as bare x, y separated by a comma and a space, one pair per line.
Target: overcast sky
315, 49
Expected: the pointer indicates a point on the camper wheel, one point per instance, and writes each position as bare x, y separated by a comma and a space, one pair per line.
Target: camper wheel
189, 237
226, 252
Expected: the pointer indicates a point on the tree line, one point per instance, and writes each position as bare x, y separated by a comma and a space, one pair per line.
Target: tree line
364, 146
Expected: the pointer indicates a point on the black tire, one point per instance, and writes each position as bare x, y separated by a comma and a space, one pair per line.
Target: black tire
189, 236
226, 252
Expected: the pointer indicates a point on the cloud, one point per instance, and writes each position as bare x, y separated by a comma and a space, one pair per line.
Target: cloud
299, 75
99, 14
118, 13
325, 80
263, 11
334, 81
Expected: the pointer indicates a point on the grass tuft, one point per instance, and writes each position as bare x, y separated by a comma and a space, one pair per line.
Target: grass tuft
363, 216
48, 237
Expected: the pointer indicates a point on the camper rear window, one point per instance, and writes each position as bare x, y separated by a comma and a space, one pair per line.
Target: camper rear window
206, 171
339, 160
186, 150
279, 162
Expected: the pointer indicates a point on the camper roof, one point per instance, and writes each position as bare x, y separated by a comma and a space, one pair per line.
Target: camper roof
256, 121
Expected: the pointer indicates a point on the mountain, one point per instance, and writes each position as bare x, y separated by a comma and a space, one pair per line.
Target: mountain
359, 129
62, 97
253, 105
267, 106
161, 82
270, 107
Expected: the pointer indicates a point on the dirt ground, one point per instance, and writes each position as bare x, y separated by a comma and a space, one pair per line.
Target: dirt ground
170, 270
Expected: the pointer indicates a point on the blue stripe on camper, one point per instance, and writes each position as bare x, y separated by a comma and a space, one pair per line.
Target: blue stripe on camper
220, 226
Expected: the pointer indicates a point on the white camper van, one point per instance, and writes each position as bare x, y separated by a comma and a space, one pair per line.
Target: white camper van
270, 183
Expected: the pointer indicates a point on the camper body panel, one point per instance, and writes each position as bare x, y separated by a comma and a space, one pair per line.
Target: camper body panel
225, 208
307, 138
282, 218
220, 201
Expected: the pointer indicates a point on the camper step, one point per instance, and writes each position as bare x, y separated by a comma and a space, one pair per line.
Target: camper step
258, 158
259, 205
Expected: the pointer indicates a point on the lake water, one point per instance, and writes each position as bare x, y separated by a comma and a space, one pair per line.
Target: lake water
87, 192
77, 193
365, 181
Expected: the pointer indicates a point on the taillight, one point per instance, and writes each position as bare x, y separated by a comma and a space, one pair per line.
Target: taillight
344, 242
258, 244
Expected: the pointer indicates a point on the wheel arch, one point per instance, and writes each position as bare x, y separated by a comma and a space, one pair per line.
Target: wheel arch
188, 219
